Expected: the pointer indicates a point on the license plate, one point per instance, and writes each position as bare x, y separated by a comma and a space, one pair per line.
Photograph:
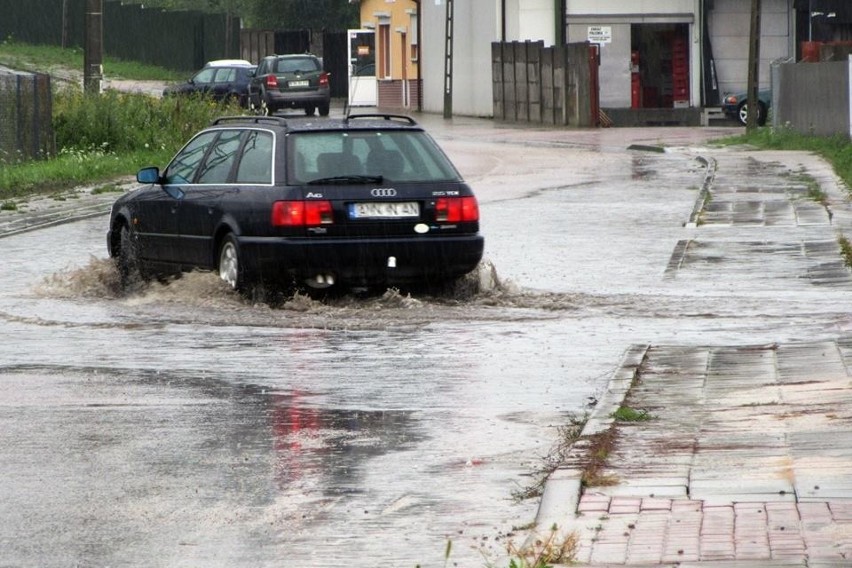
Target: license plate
384, 210
299, 83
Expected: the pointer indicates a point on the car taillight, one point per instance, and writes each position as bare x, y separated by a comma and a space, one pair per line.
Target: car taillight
456, 209
323, 80
272, 81
301, 213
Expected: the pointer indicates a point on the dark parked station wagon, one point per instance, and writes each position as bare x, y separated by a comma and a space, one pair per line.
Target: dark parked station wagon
290, 81
362, 201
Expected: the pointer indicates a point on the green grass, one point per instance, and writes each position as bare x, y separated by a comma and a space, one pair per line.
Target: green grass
845, 250
627, 414
47, 58
836, 150
102, 137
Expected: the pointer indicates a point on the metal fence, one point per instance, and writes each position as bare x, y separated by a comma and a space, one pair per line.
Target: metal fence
181, 40
26, 129
813, 98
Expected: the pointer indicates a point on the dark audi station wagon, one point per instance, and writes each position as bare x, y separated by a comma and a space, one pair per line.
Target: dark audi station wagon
362, 201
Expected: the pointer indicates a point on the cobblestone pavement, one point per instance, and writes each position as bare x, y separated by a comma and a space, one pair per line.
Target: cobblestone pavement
745, 456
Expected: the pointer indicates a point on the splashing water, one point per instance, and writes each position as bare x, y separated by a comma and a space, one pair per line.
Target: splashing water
100, 279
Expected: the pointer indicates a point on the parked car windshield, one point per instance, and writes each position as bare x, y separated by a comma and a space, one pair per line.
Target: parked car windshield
395, 155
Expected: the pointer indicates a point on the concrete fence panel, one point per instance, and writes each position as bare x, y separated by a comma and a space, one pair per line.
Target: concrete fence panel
26, 128
497, 81
522, 110
532, 83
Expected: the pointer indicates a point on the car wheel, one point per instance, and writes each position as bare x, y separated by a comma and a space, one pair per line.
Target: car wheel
310, 110
742, 113
323, 109
230, 265
762, 114
127, 260
263, 109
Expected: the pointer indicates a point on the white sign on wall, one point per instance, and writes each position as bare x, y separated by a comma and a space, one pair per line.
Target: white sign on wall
600, 34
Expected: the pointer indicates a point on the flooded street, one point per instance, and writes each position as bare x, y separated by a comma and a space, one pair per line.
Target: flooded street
187, 426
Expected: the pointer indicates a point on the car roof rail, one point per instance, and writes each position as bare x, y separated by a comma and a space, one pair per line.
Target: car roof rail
394, 117
277, 120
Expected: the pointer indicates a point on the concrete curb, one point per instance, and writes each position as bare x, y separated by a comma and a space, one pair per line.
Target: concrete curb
563, 487
709, 174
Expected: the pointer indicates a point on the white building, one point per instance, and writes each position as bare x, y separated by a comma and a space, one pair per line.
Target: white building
654, 53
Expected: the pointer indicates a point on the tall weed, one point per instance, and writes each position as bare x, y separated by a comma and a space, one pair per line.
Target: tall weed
110, 135
127, 122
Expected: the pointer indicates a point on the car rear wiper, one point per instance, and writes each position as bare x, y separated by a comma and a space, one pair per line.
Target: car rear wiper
346, 179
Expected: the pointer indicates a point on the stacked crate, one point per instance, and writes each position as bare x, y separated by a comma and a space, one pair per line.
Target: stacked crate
680, 73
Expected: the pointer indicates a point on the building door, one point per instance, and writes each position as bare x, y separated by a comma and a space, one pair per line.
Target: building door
363, 89
660, 65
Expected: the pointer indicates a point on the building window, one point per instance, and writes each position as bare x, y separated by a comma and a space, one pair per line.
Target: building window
415, 50
384, 67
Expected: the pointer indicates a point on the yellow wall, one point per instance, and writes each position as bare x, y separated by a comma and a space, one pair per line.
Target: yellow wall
400, 18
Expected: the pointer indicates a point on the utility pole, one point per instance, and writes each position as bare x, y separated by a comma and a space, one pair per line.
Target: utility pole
448, 63
64, 24
753, 67
93, 51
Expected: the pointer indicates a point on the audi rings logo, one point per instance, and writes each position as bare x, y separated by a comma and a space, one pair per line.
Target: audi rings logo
383, 192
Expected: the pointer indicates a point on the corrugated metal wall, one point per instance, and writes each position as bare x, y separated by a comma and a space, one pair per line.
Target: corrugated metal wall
813, 98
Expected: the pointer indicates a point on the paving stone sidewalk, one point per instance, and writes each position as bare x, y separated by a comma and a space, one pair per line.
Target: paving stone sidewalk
746, 460
748, 457
39, 212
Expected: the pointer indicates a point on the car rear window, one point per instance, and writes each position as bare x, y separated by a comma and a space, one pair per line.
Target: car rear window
294, 64
396, 155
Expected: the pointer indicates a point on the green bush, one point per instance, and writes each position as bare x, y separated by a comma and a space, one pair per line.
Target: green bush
117, 122
110, 135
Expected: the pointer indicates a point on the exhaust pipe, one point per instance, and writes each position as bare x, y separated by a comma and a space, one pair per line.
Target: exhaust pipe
320, 281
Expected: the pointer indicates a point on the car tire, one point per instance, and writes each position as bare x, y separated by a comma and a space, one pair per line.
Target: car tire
263, 107
127, 260
230, 266
310, 110
762, 114
323, 109
742, 113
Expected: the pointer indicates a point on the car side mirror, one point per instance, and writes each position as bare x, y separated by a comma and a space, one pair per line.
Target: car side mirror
148, 175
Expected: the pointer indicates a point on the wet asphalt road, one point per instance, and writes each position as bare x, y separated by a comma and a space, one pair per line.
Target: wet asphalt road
184, 426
